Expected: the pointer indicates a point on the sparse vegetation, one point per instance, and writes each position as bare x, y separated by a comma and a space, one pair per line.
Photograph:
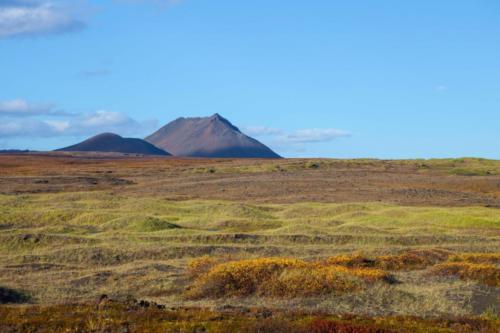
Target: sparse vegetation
201, 265
281, 277
408, 260
138, 317
477, 258
321, 237
152, 224
484, 273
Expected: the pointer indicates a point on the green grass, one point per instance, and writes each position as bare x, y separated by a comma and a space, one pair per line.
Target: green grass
102, 212
454, 166
75, 246
153, 224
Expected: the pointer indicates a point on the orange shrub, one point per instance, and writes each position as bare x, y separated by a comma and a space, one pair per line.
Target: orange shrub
309, 281
413, 259
485, 273
370, 274
280, 277
239, 278
354, 260
477, 258
201, 265
408, 260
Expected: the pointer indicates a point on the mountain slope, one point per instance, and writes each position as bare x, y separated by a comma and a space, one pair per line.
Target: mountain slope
109, 142
208, 137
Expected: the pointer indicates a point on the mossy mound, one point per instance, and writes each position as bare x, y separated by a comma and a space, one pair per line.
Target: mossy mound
153, 224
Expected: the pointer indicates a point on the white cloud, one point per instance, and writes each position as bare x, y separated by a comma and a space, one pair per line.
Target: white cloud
316, 135
27, 127
59, 126
22, 108
37, 17
104, 121
298, 141
80, 125
302, 136
262, 130
43, 17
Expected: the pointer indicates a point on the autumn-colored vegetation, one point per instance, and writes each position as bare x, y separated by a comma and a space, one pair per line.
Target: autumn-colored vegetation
201, 265
485, 273
332, 326
279, 277
477, 258
287, 277
220, 242
140, 317
408, 260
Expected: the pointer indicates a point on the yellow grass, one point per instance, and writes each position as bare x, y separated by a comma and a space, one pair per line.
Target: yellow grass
199, 266
477, 258
408, 260
72, 229
485, 273
280, 277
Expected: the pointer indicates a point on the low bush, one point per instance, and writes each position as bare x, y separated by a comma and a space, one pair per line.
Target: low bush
408, 260
285, 277
307, 282
485, 273
331, 326
199, 266
280, 277
413, 259
477, 258
351, 260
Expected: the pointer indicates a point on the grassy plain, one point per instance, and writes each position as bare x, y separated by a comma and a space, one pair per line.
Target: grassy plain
369, 239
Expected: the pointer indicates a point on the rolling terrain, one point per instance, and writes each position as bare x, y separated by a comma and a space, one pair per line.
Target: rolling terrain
295, 245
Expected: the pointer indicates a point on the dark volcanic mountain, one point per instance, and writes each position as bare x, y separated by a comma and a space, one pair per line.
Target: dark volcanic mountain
208, 137
113, 143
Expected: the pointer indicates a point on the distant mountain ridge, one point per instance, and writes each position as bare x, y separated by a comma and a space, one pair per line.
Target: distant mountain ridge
16, 151
113, 143
211, 136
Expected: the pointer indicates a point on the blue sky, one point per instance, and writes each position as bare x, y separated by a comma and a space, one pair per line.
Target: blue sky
351, 78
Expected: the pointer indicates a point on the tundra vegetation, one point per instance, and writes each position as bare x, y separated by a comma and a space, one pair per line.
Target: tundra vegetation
186, 245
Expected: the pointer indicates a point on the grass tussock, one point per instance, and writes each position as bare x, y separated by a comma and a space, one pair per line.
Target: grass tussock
408, 260
481, 267
477, 258
152, 224
485, 273
201, 265
278, 277
293, 278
